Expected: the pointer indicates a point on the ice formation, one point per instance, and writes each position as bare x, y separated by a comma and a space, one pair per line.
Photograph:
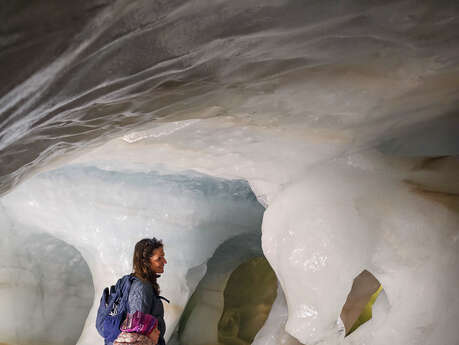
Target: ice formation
46, 288
104, 213
175, 119
207, 303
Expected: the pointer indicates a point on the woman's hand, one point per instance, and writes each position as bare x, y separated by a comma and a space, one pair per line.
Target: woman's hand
154, 335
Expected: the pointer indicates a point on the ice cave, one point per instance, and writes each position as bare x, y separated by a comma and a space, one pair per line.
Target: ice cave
298, 158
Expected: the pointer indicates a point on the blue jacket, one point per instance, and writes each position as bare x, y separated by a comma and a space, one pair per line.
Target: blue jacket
142, 297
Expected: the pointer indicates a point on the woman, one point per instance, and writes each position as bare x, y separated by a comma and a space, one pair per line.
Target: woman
148, 265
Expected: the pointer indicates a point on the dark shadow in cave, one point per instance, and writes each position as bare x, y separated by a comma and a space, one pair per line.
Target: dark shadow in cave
358, 307
233, 299
249, 296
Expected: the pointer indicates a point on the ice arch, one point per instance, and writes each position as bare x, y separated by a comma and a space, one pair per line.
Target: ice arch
207, 304
104, 212
249, 295
46, 289
325, 227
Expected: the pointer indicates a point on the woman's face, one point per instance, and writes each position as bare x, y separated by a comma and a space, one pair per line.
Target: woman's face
158, 260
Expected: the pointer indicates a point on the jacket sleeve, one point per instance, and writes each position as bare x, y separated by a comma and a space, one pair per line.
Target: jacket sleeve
140, 298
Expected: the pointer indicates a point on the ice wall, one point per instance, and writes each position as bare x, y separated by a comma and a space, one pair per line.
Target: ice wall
408, 241
338, 115
46, 289
104, 213
395, 217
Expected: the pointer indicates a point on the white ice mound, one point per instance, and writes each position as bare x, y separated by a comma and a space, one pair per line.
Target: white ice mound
321, 232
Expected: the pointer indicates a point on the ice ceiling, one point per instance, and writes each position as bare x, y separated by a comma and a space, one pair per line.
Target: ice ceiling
125, 119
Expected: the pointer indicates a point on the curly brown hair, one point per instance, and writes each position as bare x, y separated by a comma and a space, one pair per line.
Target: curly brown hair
141, 265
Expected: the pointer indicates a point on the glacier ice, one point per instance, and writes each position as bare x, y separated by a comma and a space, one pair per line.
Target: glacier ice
207, 303
273, 331
122, 119
386, 228
104, 213
344, 216
46, 289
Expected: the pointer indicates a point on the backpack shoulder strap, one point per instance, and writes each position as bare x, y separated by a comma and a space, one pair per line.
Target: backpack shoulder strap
164, 298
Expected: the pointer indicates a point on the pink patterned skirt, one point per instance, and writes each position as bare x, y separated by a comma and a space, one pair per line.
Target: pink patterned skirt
126, 338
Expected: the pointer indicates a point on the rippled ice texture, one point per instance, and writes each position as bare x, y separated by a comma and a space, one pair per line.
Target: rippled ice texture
342, 117
357, 72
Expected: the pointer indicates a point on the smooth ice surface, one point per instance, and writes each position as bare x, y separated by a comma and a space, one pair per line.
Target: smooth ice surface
384, 227
273, 331
341, 117
46, 288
